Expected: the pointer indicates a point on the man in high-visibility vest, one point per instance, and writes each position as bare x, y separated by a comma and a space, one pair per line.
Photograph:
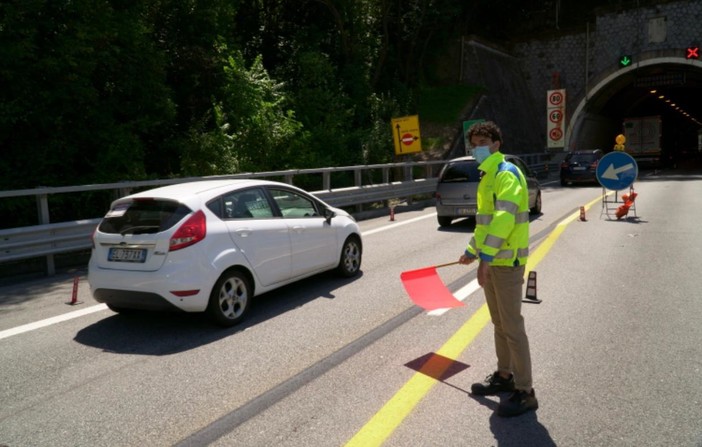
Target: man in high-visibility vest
500, 243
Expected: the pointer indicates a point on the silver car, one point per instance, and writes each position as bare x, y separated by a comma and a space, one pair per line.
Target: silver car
457, 189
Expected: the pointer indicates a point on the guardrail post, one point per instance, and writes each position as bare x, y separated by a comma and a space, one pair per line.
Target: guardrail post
123, 192
44, 218
358, 182
326, 181
289, 179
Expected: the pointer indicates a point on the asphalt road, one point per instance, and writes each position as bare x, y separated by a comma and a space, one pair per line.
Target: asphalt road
333, 362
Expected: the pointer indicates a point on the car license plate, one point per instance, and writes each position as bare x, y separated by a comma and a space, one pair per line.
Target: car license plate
127, 255
578, 168
465, 211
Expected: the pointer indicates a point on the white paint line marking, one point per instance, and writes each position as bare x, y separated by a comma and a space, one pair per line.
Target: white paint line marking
461, 294
49, 321
79, 313
397, 224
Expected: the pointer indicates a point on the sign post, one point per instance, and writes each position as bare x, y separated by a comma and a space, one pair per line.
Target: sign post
555, 118
616, 171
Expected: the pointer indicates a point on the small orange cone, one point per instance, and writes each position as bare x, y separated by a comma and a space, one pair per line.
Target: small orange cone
582, 214
74, 294
531, 290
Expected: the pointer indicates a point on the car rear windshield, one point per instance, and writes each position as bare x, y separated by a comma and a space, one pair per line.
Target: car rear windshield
466, 171
582, 158
141, 216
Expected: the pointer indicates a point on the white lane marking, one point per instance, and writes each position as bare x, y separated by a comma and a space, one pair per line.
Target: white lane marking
397, 224
461, 294
49, 321
79, 313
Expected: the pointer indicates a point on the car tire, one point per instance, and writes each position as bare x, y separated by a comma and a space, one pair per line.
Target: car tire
230, 298
537, 205
444, 221
350, 258
563, 182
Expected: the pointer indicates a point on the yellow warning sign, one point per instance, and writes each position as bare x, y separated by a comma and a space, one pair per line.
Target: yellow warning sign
405, 134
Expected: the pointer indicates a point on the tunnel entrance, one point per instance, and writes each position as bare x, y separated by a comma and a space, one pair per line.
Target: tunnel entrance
657, 87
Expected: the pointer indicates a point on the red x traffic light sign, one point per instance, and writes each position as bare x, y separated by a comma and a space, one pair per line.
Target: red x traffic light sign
693, 53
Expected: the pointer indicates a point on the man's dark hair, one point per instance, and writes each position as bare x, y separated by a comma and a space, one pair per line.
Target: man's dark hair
485, 129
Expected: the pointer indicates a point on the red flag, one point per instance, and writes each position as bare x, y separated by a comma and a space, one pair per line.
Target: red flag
427, 290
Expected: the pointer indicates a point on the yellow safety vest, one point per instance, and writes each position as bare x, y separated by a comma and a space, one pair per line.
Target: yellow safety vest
501, 234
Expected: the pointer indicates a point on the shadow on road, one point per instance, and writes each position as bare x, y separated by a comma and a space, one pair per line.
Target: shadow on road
163, 333
516, 431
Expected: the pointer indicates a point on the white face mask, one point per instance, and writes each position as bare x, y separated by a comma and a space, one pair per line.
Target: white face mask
481, 153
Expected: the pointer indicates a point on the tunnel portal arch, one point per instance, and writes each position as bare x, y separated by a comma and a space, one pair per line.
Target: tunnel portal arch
597, 118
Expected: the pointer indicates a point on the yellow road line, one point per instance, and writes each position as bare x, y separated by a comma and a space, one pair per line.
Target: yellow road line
388, 418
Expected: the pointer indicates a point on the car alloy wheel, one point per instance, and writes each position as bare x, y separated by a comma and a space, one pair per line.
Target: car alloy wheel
350, 261
230, 298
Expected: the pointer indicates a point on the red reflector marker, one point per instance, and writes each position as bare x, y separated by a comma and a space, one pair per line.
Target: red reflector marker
185, 292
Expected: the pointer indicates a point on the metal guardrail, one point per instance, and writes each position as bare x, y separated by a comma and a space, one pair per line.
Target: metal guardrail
48, 239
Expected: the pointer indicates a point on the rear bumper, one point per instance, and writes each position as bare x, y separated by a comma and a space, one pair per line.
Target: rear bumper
130, 299
152, 290
579, 177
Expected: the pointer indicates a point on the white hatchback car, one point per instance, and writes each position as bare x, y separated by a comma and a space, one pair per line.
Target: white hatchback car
211, 246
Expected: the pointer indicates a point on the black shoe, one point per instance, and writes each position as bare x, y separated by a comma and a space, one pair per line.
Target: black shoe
493, 384
518, 403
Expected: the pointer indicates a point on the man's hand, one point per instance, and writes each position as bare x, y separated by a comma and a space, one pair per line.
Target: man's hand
483, 273
465, 260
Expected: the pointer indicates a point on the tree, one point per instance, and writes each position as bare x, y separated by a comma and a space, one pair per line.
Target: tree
83, 91
255, 131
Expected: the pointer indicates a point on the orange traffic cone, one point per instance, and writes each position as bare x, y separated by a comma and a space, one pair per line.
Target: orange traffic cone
582, 214
628, 199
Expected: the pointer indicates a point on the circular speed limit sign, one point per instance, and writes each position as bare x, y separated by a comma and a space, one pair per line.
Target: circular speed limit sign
555, 98
555, 116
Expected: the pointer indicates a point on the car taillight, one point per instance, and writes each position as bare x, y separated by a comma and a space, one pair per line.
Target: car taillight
191, 232
593, 165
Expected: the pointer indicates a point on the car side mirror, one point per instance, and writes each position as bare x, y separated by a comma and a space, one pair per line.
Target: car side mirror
329, 214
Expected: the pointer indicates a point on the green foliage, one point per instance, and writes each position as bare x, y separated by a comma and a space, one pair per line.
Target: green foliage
83, 84
443, 104
254, 131
104, 90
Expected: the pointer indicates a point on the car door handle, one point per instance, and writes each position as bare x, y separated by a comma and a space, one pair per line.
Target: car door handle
298, 228
243, 232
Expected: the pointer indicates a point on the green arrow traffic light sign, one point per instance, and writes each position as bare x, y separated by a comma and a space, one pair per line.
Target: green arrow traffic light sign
624, 61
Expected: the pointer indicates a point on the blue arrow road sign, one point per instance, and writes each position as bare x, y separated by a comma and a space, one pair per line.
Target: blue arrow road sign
617, 170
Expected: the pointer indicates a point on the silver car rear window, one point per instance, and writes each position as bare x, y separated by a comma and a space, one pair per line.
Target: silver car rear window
142, 216
464, 171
